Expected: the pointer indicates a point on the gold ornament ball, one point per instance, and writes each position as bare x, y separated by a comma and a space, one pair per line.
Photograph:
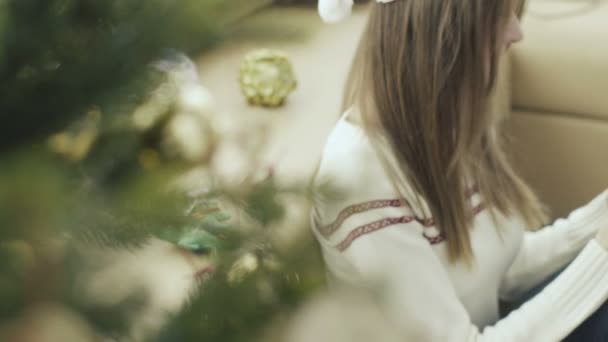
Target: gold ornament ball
244, 266
75, 143
196, 99
188, 137
267, 77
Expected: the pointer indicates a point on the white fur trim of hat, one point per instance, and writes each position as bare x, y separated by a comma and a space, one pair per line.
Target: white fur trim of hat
333, 11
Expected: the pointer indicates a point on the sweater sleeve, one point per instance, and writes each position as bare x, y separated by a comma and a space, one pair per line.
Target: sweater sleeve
390, 254
546, 251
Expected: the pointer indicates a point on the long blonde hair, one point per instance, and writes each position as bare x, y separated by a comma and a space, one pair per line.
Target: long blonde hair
421, 83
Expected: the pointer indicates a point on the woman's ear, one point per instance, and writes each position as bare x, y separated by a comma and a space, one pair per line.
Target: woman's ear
332, 11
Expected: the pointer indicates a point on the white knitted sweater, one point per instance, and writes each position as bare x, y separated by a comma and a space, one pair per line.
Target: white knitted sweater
370, 237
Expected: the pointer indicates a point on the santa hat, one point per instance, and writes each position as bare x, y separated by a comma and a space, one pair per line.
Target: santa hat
332, 11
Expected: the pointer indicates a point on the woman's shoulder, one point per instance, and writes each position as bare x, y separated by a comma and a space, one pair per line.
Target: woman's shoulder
358, 196
350, 173
348, 156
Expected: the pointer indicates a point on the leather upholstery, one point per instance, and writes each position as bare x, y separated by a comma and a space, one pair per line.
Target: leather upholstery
559, 87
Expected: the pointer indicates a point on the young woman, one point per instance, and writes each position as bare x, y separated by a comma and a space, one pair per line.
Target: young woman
430, 209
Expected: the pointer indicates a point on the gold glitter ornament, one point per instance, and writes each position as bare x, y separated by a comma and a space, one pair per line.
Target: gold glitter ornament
267, 77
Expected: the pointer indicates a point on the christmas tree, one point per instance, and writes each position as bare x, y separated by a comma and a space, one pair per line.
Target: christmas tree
104, 123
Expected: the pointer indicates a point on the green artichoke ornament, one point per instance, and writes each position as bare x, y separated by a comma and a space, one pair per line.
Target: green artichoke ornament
267, 77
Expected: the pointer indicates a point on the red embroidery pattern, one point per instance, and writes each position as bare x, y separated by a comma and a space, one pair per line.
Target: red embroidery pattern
380, 224
371, 227
435, 240
329, 229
